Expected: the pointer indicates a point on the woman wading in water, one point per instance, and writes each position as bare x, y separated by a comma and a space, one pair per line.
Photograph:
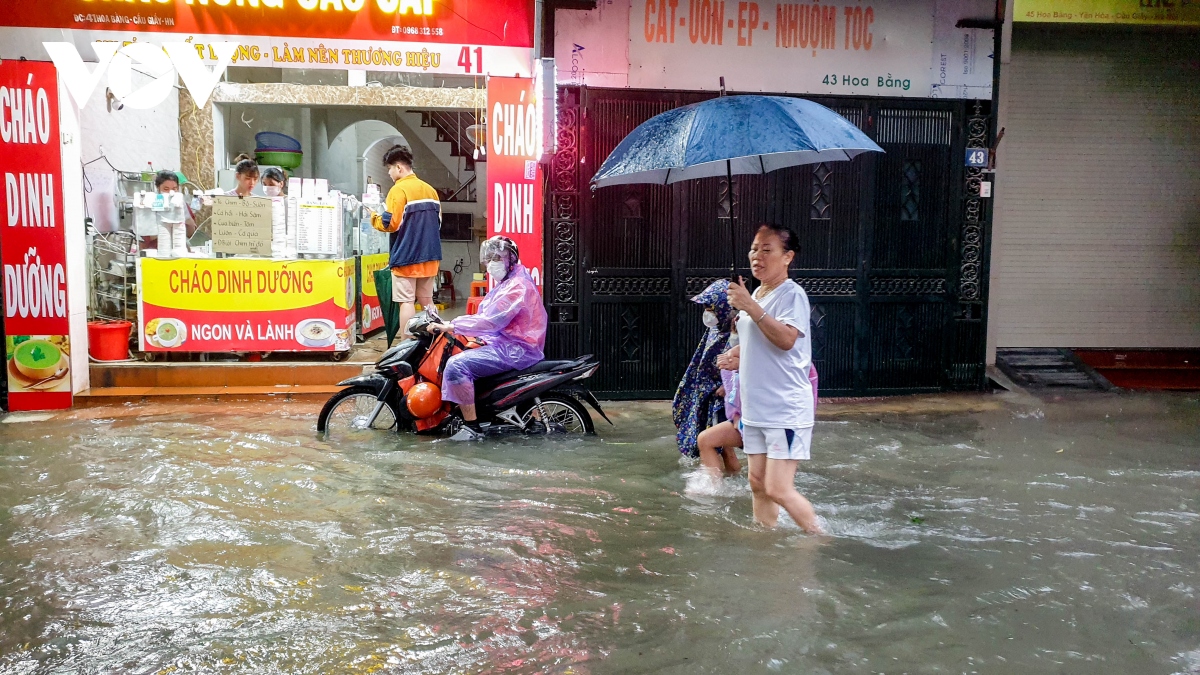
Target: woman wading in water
776, 393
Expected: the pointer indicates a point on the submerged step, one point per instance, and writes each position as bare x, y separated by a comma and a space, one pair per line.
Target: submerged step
145, 375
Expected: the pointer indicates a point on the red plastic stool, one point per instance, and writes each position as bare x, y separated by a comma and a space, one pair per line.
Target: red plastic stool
473, 303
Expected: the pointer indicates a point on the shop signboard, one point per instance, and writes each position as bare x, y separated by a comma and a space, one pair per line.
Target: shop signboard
372, 312
481, 22
514, 176
465, 37
245, 305
1145, 12
32, 241
909, 48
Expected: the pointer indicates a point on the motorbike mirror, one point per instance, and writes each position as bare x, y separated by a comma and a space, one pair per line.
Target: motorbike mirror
432, 313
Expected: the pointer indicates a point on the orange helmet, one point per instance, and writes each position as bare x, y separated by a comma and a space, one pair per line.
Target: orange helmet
423, 400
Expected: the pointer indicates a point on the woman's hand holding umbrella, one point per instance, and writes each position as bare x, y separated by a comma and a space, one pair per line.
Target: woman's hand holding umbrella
781, 335
741, 299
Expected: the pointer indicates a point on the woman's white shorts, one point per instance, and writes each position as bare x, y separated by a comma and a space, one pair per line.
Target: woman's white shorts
776, 443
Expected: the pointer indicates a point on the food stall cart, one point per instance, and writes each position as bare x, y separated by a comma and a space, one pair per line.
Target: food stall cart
277, 276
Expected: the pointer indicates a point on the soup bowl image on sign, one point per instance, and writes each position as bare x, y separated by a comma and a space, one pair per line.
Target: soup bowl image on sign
166, 332
38, 363
315, 332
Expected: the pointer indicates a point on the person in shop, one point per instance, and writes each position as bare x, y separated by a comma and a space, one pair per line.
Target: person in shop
775, 354
717, 443
167, 183
413, 216
511, 321
700, 401
246, 172
274, 182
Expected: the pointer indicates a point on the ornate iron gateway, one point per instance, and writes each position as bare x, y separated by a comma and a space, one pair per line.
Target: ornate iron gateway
893, 248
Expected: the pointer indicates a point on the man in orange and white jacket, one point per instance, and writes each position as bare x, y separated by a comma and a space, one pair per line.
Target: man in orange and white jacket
413, 216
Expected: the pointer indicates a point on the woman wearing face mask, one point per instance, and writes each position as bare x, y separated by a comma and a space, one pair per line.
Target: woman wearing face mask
699, 402
273, 182
177, 210
511, 321
717, 443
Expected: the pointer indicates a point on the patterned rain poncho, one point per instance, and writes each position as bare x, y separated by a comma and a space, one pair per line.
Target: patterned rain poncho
512, 321
696, 406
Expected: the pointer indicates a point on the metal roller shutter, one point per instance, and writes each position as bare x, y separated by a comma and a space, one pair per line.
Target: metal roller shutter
1097, 220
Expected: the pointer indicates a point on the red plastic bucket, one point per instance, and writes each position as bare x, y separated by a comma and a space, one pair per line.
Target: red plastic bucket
109, 340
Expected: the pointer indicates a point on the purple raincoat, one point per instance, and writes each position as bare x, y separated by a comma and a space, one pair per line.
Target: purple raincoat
512, 321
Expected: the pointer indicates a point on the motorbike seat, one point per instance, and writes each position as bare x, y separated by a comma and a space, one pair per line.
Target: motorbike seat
490, 382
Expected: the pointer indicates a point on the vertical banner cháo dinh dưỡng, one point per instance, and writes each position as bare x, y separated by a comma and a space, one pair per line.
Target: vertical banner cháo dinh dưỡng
32, 242
514, 176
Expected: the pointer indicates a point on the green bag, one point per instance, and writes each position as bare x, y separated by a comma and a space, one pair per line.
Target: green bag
391, 311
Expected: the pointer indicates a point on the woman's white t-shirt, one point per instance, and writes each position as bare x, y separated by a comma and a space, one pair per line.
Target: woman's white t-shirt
775, 389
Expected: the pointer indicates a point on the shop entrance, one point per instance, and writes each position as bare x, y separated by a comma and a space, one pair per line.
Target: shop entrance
892, 249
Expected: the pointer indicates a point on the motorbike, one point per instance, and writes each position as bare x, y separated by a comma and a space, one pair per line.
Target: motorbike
403, 393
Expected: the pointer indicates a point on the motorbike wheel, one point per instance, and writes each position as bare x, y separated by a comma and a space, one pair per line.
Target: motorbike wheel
346, 412
564, 412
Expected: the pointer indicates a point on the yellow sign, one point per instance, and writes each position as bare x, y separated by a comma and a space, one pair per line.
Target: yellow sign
1148, 12
371, 264
233, 285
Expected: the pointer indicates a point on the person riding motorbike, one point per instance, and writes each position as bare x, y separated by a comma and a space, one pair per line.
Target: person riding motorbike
511, 321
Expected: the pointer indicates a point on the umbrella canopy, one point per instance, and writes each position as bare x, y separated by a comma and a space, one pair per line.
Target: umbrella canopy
732, 135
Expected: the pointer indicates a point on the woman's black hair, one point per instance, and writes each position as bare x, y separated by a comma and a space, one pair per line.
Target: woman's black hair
398, 154
274, 173
164, 176
246, 167
788, 236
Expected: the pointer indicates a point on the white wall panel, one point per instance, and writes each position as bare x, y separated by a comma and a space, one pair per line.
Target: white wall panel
129, 139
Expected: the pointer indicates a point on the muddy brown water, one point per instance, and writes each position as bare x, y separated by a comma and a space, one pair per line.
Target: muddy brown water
1060, 536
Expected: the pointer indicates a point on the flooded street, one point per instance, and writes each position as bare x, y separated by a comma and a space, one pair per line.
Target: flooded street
1057, 537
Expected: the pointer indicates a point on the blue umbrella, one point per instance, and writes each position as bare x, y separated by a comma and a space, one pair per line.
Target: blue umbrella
732, 135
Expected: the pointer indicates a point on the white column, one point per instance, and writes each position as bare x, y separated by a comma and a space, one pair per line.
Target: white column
997, 261
76, 240
220, 155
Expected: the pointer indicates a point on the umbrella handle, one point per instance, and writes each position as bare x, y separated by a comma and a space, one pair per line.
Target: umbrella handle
729, 202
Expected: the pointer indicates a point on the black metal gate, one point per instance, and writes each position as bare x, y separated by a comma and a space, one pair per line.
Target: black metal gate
892, 248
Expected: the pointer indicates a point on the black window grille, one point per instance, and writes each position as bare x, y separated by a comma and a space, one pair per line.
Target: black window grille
910, 190
822, 202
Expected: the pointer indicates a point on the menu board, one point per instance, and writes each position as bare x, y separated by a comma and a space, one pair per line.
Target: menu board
241, 225
318, 227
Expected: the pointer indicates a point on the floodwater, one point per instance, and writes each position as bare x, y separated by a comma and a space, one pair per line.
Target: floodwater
1034, 537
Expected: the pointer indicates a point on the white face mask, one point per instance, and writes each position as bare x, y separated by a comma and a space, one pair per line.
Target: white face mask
710, 319
733, 340
273, 190
498, 270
